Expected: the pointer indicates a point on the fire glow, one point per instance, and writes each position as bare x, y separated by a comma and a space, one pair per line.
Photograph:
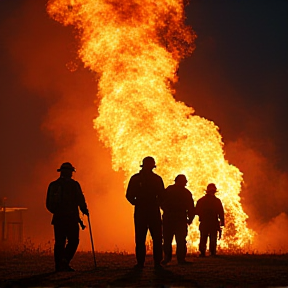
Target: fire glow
135, 48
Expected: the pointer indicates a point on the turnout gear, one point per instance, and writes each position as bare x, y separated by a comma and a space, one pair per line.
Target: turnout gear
210, 210
178, 213
64, 199
64, 196
145, 191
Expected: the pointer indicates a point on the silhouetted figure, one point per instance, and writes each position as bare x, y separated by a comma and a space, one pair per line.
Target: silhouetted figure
64, 198
178, 213
145, 191
209, 208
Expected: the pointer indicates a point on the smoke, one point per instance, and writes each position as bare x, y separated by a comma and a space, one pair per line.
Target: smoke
264, 193
272, 236
62, 130
264, 196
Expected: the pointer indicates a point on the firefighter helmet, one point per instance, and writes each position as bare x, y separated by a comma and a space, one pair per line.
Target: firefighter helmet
211, 188
66, 166
148, 162
181, 179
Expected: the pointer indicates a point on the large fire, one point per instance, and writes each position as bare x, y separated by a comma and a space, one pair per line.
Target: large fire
135, 48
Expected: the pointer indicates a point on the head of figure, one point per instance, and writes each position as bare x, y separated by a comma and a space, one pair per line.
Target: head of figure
211, 189
66, 170
148, 163
181, 180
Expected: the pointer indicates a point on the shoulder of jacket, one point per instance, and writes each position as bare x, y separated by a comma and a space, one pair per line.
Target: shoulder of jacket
55, 182
157, 176
169, 187
187, 191
218, 199
134, 178
202, 199
77, 184
135, 175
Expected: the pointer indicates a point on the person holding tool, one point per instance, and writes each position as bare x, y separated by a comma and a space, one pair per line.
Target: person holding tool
64, 199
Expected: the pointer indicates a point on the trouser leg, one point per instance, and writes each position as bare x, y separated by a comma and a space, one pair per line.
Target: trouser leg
167, 238
73, 241
155, 227
180, 236
203, 241
141, 229
213, 242
59, 245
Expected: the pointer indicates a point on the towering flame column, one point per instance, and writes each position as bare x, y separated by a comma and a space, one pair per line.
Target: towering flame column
135, 48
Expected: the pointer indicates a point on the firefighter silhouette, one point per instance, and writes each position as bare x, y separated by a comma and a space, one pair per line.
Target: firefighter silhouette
210, 210
64, 198
178, 213
145, 191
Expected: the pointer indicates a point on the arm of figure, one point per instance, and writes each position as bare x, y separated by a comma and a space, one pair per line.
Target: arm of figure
190, 209
161, 192
221, 214
131, 191
81, 200
49, 205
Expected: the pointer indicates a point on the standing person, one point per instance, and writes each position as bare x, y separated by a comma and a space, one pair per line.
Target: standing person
145, 191
210, 210
178, 213
64, 198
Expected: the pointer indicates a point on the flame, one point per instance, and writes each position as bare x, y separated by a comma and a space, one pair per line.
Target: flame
135, 47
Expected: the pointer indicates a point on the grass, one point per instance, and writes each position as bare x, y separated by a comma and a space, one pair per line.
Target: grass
29, 265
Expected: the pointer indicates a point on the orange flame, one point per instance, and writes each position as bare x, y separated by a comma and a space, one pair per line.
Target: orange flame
135, 47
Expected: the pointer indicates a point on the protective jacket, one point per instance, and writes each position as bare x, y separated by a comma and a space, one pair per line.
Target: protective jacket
178, 204
210, 210
145, 190
64, 196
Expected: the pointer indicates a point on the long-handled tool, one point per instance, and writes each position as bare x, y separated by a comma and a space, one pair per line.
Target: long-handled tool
90, 230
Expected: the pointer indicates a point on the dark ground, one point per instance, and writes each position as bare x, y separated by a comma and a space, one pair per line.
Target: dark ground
116, 270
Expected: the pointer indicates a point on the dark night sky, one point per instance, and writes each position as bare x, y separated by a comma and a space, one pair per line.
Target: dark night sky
241, 60
236, 77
